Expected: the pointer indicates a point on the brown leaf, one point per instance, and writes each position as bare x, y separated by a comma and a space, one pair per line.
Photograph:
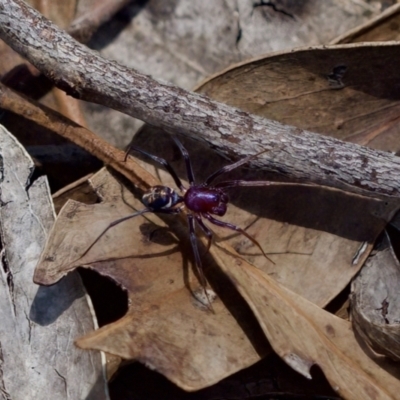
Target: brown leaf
165, 327
304, 334
169, 331
343, 91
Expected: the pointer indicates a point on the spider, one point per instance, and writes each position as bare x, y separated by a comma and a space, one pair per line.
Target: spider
202, 201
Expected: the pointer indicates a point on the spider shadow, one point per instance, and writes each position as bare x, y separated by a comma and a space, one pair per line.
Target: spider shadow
45, 310
220, 284
175, 234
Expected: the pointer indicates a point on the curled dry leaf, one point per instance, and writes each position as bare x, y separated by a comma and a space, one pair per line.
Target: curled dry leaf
375, 302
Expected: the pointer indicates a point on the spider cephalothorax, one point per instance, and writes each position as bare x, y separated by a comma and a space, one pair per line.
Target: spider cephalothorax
203, 199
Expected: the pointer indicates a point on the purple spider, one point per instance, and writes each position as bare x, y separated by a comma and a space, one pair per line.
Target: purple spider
200, 200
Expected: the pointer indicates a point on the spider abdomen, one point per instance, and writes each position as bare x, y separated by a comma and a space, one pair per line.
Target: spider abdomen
206, 200
161, 197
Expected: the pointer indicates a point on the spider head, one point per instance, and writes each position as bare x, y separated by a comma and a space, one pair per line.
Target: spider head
161, 198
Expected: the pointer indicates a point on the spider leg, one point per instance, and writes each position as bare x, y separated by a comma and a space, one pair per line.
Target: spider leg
231, 167
119, 220
205, 230
235, 183
171, 211
159, 160
197, 259
186, 157
114, 223
237, 229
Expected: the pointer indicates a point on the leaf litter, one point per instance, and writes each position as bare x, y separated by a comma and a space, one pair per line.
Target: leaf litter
306, 339
165, 327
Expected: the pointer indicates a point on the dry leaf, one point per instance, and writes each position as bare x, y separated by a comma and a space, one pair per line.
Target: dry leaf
304, 335
165, 327
375, 301
348, 91
37, 323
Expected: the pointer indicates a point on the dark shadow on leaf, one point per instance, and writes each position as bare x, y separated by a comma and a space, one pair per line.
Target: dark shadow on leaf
51, 301
157, 234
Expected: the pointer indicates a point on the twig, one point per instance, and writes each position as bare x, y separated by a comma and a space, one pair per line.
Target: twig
57, 123
295, 153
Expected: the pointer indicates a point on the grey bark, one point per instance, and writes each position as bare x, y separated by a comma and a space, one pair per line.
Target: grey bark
375, 303
38, 325
294, 153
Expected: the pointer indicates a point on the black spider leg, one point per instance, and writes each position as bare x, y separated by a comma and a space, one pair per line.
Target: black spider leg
119, 220
205, 230
231, 167
237, 229
186, 157
112, 224
161, 161
197, 258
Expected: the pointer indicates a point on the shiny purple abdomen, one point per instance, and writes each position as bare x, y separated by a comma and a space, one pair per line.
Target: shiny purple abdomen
205, 200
